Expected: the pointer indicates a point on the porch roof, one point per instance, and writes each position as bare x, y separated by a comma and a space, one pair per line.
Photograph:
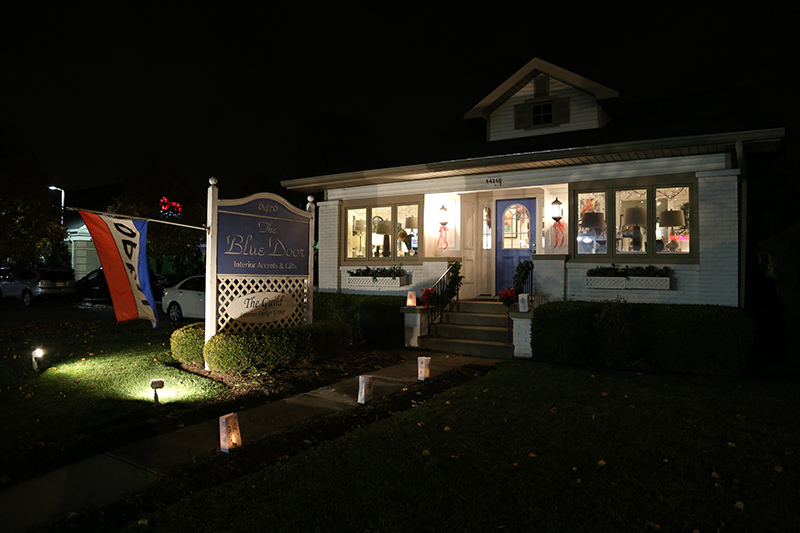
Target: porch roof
652, 148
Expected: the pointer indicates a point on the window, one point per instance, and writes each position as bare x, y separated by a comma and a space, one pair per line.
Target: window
541, 112
516, 228
382, 232
621, 223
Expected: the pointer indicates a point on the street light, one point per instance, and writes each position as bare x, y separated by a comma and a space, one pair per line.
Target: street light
54, 188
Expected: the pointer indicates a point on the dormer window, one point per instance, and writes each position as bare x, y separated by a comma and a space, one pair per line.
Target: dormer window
541, 112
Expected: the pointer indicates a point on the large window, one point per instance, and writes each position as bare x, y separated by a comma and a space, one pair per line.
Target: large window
625, 223
379, 232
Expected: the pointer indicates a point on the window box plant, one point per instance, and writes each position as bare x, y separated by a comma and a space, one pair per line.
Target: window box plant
393, 276
613, 277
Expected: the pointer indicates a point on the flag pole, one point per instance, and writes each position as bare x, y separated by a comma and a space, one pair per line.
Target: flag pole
117, 215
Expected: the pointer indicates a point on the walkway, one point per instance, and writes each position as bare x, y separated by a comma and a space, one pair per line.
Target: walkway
132, 468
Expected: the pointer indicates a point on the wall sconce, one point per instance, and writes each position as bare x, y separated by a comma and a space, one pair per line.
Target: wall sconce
411, 299
364, 389
156, 384
423, 368
38, 352
444, 219
557, 213
229, 435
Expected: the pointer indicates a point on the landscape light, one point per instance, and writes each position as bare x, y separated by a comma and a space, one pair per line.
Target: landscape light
156, 384
423, 368
229, 435
364, 389
38, 352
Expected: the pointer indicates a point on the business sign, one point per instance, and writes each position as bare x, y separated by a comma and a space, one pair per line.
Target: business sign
262, 235
262, 307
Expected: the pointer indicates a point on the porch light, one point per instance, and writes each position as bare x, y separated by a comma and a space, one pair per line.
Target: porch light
38, 352
156, 384
444, 218
229, 435
556, 210
423, 368
411, 299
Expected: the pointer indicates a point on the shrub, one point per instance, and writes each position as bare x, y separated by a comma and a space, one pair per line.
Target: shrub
654, 337
265, 349
374, 319
187, 343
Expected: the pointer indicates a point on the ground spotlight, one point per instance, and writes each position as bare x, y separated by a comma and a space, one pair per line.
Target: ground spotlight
156, 384
38, 352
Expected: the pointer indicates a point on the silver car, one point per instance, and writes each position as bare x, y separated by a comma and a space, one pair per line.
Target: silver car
27, 284
186, 299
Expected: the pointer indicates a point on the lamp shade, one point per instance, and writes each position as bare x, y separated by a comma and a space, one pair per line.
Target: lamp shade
411, 223
361, 225
671, 218
635, 216
593, 220
383, 227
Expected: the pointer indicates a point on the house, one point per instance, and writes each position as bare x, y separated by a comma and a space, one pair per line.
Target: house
568, 176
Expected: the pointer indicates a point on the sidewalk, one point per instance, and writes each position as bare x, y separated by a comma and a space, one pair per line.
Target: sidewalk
132, 468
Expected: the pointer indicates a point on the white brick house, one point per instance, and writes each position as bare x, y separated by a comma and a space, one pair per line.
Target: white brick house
631, 192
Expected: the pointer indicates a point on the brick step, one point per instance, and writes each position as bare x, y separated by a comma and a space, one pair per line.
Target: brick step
499, 350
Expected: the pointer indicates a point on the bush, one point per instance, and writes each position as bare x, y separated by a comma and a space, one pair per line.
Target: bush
187, 343
374, 319
265, 349
654, 337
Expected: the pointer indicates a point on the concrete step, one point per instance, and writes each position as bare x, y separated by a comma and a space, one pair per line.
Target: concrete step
480, 306
499, 350
484, 333
474, 319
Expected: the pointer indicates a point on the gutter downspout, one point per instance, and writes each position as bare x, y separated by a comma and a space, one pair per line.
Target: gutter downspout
742, 221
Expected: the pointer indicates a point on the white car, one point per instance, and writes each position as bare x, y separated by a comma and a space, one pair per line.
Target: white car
186, 299
28, 284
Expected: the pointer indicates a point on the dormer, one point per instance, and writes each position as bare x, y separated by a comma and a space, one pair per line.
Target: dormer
542, 99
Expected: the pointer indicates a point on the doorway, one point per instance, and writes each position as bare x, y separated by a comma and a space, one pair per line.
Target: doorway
515, 238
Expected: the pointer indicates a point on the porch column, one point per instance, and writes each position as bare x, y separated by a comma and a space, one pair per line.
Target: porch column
328, 245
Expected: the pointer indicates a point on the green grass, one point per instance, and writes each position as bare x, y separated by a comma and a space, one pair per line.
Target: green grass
534, 447
93, 376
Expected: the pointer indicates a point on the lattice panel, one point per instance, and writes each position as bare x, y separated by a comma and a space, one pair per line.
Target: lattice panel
230, 288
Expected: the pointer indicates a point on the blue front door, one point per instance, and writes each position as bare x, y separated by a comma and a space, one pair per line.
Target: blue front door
515, 238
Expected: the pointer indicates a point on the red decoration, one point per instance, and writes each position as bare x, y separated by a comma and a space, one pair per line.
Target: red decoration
559, 237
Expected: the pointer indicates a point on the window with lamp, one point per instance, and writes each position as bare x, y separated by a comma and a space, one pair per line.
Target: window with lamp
389, 232
652, 220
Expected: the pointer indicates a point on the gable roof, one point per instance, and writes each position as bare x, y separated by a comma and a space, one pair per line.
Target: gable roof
523, 76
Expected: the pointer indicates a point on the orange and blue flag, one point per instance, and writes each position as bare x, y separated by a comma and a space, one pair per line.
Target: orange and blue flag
121, 246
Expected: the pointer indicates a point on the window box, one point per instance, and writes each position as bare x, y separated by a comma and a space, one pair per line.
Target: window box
633, 282
360, 281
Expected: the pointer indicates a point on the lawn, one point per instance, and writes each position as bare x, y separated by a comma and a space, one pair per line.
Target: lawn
536, 447
93, 377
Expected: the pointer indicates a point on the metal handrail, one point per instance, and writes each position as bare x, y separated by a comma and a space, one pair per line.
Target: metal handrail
440, 287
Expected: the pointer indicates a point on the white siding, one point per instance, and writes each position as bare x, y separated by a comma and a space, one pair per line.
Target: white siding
584, 113
719, 240
328, 252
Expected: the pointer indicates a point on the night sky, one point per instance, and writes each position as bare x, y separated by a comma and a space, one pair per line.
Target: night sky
256, 95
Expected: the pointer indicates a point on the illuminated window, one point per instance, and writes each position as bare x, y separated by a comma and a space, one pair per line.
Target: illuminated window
382, 232
516, 227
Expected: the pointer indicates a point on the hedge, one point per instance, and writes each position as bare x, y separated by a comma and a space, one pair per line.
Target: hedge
374, 319
187, 343
654, 337
265, 349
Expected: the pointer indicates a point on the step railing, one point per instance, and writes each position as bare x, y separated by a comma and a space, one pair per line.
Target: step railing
449, 282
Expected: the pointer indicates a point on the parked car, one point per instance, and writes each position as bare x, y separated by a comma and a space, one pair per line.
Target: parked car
28, 284
93, 286
186, 299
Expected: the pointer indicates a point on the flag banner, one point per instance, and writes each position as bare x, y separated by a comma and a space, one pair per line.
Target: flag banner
121, 246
